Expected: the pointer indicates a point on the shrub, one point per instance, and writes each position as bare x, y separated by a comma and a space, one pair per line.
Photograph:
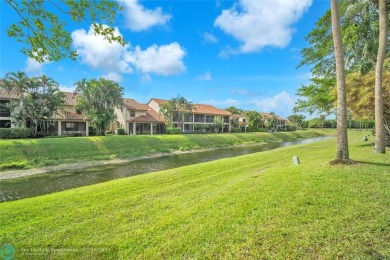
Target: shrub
255, 129
235, 130
77, 134
173, 131
121, 131
14, 133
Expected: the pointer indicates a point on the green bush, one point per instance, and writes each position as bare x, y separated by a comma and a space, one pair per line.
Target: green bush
14, 133
121, 131
235, 130
255, 129
173, 131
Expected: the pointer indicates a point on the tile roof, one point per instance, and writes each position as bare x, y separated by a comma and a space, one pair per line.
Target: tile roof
150, 117
6, 95
70, 98
268, 115
159, 101
200, 108
209, 109
65, 115
131, 104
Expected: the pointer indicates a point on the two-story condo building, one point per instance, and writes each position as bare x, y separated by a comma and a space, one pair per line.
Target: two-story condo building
200, 114
68, 121
137, 118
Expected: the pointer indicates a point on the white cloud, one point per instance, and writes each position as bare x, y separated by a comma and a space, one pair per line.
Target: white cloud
205, 77
208, 37
98, 53
282, 104
226, 102
67, 89
115, 59
162, 60
257, 24
138, 18
33, 67
113, 76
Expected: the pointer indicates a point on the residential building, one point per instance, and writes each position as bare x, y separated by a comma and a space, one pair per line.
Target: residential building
137, 118
67, 121
201, 114
7, 100
279, 125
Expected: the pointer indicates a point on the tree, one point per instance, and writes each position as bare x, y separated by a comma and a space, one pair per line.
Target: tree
342, 153
255, 121
361, 30
383, 38
44, 34
218, 123
43, 100
297, 120
318, 96
17, 82
176, 109
98, 99
235, 111
361, 97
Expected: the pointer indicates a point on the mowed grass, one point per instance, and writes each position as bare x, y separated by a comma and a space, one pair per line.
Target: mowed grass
51, 151
253, 206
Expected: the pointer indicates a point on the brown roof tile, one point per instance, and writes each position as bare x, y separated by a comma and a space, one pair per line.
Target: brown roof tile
209, 109
150, 117
131, 104
65, 115
6, 95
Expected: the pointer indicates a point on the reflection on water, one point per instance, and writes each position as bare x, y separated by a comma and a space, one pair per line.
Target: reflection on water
36, 185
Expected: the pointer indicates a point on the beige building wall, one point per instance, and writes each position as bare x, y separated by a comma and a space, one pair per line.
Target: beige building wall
154, 105
122, 115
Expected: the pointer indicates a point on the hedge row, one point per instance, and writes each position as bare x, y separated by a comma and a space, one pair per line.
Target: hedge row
13, 133
173, 130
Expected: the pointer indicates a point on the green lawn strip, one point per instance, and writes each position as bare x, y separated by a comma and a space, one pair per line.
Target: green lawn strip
51, 151
252, 206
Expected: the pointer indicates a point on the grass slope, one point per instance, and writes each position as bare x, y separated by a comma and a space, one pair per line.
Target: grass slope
253, 206
50, 151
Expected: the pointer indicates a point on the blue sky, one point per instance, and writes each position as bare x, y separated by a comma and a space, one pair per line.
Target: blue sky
221, 52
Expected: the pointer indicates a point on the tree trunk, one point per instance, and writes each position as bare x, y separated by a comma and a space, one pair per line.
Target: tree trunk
379, 120
342, 135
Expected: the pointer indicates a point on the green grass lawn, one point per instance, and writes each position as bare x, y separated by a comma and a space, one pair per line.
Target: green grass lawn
252, 206
50, 151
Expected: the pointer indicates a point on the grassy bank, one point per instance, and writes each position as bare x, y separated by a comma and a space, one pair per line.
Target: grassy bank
51, 151
253, 206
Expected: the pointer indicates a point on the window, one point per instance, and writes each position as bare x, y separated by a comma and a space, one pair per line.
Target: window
199, 118
188, 118
132, 113
71, 126
5, 123
4, 108
210, 119
226, 119
244, 120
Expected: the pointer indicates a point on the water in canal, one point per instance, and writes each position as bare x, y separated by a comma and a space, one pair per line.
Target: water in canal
35, 185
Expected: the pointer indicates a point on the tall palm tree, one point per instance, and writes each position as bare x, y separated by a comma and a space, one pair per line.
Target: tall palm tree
342, 135
383, 36
18, 82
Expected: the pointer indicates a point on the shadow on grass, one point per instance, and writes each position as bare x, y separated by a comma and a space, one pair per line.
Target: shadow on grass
374, 163
366, 144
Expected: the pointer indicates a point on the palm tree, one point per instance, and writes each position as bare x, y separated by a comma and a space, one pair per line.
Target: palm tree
342, 153
383, 36
18, 82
